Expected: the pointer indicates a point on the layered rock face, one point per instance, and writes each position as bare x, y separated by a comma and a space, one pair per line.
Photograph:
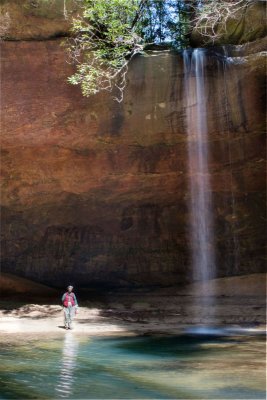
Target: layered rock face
96, 191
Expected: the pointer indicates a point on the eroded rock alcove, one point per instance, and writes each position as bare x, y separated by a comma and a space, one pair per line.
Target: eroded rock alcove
98, 190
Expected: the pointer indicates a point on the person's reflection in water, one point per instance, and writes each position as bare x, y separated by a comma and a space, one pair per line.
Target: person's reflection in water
64, 387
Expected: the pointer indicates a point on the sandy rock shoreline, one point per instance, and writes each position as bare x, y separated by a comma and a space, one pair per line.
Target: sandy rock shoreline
237, 301
31, 321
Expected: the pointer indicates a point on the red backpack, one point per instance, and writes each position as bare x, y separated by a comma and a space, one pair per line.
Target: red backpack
69, 297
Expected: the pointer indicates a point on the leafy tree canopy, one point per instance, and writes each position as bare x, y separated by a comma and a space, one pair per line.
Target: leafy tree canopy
109, 33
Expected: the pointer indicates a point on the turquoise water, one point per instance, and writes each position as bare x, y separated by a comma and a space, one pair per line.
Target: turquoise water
177, 367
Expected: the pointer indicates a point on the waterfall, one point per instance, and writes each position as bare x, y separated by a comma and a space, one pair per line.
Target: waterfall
200, 205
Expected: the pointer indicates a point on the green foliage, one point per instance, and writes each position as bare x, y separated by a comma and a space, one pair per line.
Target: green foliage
109, 33
166, 21
104, 37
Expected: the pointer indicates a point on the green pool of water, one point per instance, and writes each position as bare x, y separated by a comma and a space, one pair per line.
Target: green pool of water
180, 367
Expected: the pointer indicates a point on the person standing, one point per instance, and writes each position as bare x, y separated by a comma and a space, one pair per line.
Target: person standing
70, 306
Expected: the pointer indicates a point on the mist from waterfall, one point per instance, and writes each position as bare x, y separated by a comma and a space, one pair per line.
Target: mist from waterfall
200, 204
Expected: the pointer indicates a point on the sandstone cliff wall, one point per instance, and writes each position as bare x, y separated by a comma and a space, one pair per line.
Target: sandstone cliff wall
97, 190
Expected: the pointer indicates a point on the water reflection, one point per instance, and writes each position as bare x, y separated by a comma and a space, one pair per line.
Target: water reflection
68, 364
201, 364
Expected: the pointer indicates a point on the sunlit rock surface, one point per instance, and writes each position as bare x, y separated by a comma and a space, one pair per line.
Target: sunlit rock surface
97, 192
36, 19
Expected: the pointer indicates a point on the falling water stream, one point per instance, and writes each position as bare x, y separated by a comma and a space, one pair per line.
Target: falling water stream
201, 210
200, 205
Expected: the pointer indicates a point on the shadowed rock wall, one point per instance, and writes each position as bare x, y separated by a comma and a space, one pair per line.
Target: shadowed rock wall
97, 192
